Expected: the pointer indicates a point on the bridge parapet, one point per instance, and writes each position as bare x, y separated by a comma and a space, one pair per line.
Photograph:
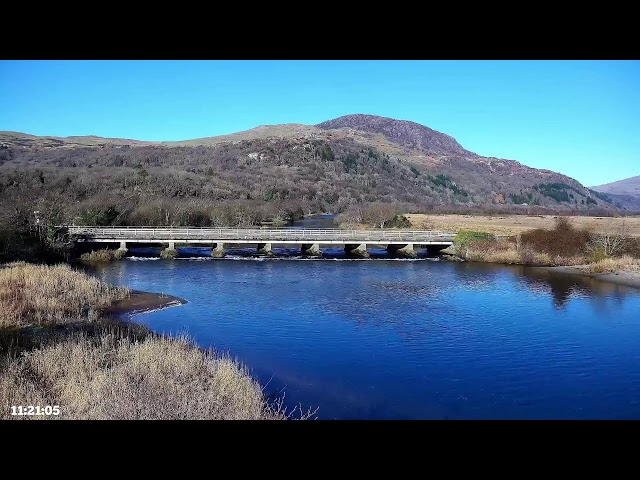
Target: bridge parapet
262, 235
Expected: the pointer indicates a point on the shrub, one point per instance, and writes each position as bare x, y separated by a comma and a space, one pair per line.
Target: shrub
563, 239
104, 255
632, 247
399, 221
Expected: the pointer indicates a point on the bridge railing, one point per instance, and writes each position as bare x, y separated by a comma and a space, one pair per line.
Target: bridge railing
284, 234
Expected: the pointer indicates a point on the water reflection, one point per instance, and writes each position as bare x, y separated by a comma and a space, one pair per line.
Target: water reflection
420, 339
563, 286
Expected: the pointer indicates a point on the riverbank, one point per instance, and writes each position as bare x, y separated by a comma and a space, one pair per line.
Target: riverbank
63, 343
515, 224
142, 302
622, 277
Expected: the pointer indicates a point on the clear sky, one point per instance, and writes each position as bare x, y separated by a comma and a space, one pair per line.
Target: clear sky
581, 118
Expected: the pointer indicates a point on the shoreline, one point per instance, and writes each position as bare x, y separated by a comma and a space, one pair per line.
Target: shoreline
624, 278
140, 302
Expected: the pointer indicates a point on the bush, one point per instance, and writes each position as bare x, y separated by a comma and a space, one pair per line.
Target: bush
104, 255
399, 221
563, 239
632, 247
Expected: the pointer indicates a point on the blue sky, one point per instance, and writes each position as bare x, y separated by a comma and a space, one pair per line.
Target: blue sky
581, 118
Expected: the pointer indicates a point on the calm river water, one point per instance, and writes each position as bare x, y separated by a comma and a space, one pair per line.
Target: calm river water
408, 339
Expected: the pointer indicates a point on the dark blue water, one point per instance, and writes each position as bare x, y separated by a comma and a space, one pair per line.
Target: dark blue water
423, 339
325, 220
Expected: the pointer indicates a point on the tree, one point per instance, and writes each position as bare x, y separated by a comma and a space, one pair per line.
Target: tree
379, 213
611, 239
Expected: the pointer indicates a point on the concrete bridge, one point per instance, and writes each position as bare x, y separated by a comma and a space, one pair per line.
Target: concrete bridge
310, 241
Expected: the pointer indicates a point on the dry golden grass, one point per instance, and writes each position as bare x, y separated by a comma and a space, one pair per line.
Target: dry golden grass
506, 251
110, 377
503, 256
104, 255
40, 294
514, 224
625, 263
103, 369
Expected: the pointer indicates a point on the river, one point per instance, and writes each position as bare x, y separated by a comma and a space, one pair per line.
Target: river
408, 339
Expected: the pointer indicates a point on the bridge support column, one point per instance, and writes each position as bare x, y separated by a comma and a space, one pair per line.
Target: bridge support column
403, 250
311, 249
265, 248
357, 250
123, 246
170, 252
218, 250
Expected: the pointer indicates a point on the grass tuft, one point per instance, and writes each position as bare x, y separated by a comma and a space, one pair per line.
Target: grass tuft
110, 377
609, 265
39, 294
101, 256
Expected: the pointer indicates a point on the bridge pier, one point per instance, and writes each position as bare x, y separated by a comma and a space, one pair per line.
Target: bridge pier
311, 249
218, 250
309, 240
265, 248
402, 250
170, 252
357, 250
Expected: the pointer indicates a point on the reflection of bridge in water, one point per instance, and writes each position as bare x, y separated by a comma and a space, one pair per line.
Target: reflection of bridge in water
310, 241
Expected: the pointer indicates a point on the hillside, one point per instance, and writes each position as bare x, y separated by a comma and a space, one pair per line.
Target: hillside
628, 186
272, 171
401, 132
624, 192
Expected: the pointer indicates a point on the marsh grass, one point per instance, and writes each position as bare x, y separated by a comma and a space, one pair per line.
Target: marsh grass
56, 348
39, 294
626, 263
102, 256
110, 377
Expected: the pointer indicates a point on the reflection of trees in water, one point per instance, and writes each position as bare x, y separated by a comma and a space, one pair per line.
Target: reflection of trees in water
564, 285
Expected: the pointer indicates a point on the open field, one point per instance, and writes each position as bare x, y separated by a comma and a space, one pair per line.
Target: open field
514, 224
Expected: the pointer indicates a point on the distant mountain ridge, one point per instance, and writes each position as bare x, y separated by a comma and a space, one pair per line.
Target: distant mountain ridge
626, 192
365, 157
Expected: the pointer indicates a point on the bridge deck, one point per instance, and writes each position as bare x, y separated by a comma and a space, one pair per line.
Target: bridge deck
256, 235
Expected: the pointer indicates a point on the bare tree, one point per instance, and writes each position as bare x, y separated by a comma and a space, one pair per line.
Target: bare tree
379, 213
611, 239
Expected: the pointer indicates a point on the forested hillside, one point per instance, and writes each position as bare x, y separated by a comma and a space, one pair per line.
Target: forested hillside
271, 173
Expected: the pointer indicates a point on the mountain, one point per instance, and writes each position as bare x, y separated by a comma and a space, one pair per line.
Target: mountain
402, 132
628, 186
626, 192
18, 139
294, 167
